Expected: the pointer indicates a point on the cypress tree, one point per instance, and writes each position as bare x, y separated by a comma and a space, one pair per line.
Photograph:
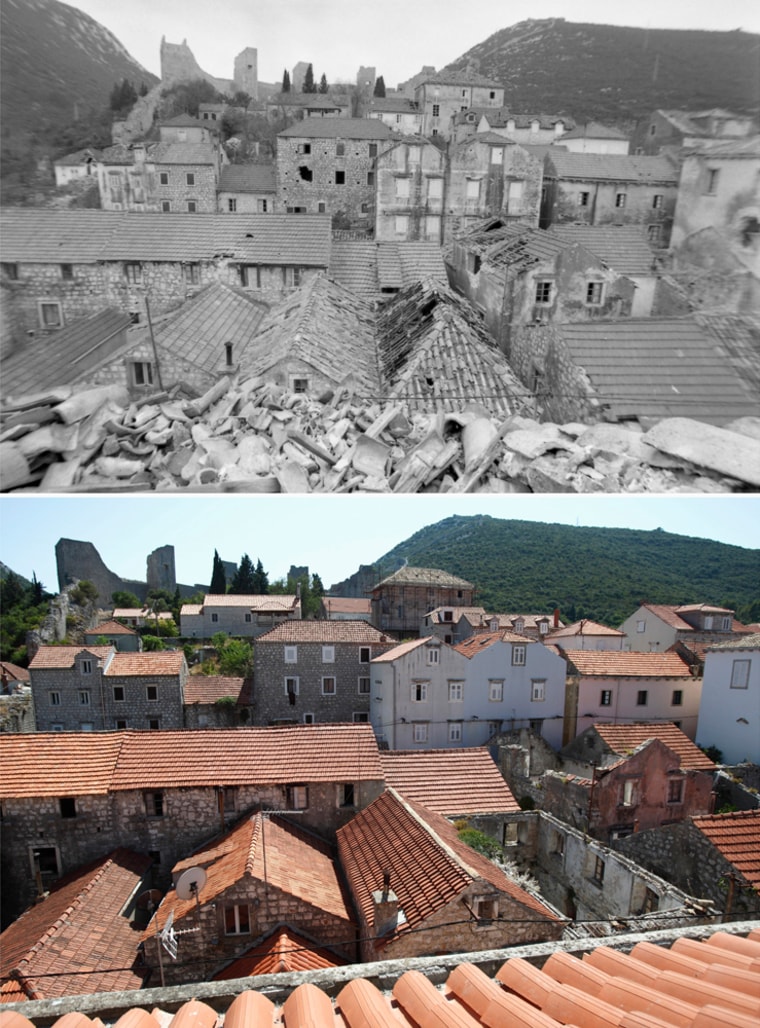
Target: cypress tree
218, 578
286, 81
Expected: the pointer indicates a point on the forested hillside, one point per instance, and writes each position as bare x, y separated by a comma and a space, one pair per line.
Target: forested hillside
598, 573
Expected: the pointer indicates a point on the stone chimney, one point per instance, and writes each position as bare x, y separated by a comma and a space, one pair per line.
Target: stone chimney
385, 903
556, 617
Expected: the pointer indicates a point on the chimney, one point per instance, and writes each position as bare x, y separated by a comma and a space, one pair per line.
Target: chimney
556, 617
385, 903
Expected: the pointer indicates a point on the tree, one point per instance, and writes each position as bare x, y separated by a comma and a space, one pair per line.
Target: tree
84, 592
123, 598
143, 90
11, 591
323, 83
308, 81
123, 95
236, 657
260, 580
285, 81
379, 86
218, 585
241, 98
243, 581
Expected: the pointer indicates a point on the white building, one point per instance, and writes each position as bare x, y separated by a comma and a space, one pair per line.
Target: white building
729, 715
237, 615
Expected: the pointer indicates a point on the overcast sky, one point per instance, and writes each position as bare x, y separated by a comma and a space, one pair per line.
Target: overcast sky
397, 37
333, 535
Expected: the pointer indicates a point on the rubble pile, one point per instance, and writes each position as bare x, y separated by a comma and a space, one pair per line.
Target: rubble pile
252, 436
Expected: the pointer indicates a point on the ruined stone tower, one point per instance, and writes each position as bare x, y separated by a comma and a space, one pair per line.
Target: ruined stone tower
247, 73
160, 570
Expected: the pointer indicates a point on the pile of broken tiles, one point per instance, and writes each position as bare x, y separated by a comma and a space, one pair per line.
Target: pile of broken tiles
251, 436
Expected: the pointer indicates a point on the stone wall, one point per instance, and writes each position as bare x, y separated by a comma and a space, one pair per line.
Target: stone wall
178, 64
160, 569
80, 561
310, 180
17, 712
544, 365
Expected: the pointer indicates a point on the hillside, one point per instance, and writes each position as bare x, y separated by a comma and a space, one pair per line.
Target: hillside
57, 63
617, 74
598, 573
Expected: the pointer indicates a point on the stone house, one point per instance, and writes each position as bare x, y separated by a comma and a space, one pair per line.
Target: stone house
591, 137
393, 850
452, 624
59, 266
586, 635
729, 712
75, 166
123, 638
410, 198
649, 786
242, 616
246, 189
656, 627
401, 600
315, 671
526, 129
327, 166
97, 689
215, 701
265, 872
70, 798
138, 617
667, 130
626, 687
399, 113
282, 950
296, 105
344, 608
717, 856
16, 704
441, 97
610, 189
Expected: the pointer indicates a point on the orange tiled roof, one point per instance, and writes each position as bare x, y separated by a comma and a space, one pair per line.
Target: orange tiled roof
475, 643
111, 628
13, 672
162, 662
79, 928
297, 863
585, 627
65, 656
623, 739
668, 614
628, 664
284, 950
253, 602
428, 864
210, 688
401, 650
325, 632
737, 837
450, 782
76, 763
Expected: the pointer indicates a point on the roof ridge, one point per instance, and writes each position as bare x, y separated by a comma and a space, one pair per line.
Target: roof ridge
459, 861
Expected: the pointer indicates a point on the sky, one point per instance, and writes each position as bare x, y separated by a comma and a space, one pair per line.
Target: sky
397, 37
332, 535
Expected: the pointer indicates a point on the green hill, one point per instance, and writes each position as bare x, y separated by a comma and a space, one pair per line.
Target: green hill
615, 73
597, 573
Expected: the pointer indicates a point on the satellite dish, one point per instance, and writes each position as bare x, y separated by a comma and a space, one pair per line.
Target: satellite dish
149, 899
190, 883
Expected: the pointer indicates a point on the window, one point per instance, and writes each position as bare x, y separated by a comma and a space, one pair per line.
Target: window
237, 920
190, 178
364, 687
543, 628
641, 626
45, 860
420, 731
652, 130
299, 385
304, 148
86, 726
340, 178
654, 233
456, 692
435, 188
214, 618
419, 692
328, 654
605, 698
166, 206
518, 656
163, 178
360, 717
67, 272
629, 793
309, 719
192, 206
651, 902
433, 656
677, 698
68, 806
364, 654
740, 674
583, 199
402, 188
370, 178
121, 724
293, 276
248, 615
192, 273
328, 686
153, 724
641, 698
292, 688
657, 200
594, 293
726, 624
50, 314
598, 873
537, 690
372, 150
142, 373
401, 224
55, 698
495, 690
10, 271
472, 189
151, 693
455, 731
708, 622
297, 797
713, 174
346, 795
543, 291
620, 199
340, 149
291, 654
675, 790
261, 206
485, 908
84, 697
436, 110
134, 273
154, 804
118, 693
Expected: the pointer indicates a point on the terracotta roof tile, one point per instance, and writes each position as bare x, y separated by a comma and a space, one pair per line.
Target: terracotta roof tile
401, 650
585, 627
424, 576
252, 602
55, 940
623, 739
65, 656
622, 247
338, 128
161, 662
13, 672
284, 950
737, 836
450, 782
481, 640
613, 167
325, 632
628, 664
111, 628
210, 688
58, 764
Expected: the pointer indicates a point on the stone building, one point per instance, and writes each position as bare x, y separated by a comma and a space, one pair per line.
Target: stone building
490, 176
410, 195
267, 871
239, 615
669, 130
246, 72
398, 112
525, 129
69, 798
97, 689
402, 599
327, 166
315, 671
215, 701
393, 850
246, 189
440, 97
123, 638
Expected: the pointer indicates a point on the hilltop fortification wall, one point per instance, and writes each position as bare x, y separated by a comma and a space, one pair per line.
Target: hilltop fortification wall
179, 65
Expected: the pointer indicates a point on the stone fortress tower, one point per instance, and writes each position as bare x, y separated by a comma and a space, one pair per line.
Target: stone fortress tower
178, 64
247, 72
